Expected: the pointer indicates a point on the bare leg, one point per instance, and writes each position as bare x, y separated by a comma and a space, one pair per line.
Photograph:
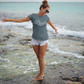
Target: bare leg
41, 62
36, 50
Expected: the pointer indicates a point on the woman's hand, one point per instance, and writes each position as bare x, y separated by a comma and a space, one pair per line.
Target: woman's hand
56, 31
5, 20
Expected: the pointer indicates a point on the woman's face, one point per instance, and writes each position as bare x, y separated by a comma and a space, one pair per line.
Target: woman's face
43, 11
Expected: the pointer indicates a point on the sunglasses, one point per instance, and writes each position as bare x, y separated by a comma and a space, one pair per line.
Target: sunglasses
47, 11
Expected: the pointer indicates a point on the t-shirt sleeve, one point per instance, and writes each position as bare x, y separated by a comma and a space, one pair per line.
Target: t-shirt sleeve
30, 16
48, 18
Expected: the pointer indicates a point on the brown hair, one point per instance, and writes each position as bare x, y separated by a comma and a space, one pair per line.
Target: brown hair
45, 4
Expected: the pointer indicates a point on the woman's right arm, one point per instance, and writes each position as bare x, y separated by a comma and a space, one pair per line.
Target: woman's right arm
16, 20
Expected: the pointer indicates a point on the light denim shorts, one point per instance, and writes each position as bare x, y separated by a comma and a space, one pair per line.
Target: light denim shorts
36, 42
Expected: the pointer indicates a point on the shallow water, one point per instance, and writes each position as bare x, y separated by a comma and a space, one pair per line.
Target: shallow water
18, 61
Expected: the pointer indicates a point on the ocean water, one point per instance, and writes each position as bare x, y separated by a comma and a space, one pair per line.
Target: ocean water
68, 17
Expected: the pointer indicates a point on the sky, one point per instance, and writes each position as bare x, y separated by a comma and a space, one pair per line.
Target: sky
41, 0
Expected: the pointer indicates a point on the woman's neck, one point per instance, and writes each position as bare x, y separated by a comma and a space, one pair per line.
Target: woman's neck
40, 14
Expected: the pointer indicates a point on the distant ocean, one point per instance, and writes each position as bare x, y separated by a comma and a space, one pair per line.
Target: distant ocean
68, 17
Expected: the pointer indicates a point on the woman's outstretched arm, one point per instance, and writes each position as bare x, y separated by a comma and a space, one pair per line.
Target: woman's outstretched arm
16, 20
51, 24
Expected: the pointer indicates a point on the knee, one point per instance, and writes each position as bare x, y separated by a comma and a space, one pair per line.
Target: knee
41, 58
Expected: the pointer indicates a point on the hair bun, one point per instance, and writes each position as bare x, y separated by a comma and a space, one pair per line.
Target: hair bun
45, 2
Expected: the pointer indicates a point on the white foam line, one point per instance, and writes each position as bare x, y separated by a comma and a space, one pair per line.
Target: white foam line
25, 24
71, 54
61, 29
25, 72
5, 59
55, 49
29, 69
54, 63
64, 31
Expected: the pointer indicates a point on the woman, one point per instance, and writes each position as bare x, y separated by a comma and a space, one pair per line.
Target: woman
40, 35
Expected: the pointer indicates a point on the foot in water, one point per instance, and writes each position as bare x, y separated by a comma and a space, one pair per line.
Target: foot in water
38, 78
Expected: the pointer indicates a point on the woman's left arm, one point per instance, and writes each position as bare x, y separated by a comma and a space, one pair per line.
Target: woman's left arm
51, 24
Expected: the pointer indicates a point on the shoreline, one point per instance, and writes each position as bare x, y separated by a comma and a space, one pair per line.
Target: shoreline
18, 63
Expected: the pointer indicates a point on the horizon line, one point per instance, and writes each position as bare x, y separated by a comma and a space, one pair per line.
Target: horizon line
20, 2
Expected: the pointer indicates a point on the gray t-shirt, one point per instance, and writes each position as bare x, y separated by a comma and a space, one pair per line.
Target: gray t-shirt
39, 26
